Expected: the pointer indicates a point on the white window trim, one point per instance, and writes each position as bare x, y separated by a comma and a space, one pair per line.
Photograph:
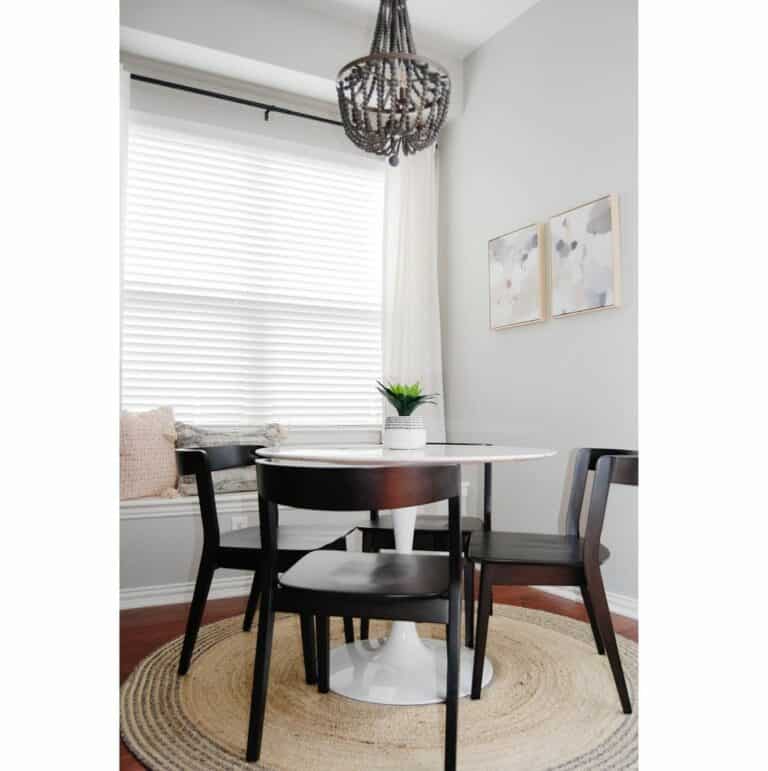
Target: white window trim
237, 87
351, 157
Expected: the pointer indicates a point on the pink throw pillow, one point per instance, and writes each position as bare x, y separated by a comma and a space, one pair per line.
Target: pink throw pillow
148, 454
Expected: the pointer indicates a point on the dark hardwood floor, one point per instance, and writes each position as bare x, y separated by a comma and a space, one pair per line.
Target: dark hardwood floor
144, 629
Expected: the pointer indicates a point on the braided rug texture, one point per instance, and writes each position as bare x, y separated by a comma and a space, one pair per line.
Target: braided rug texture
551, 705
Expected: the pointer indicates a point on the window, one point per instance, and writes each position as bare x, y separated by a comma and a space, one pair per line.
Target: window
251, 279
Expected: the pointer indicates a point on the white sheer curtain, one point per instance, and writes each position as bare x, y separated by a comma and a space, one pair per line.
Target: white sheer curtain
411, 338
125, 106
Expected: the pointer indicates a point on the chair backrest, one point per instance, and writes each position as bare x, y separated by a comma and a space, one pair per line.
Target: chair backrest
486, 482
585, 460
202, 461
354, 488
610, 467
217, 458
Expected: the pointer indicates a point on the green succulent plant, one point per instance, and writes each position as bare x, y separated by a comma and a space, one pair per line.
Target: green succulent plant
404, 398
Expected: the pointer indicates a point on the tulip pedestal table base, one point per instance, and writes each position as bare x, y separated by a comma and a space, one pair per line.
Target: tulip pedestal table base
403, 668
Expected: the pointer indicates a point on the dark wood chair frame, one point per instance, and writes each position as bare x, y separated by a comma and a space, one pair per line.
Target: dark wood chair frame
355, 489
610, 467
376, 538
202, 462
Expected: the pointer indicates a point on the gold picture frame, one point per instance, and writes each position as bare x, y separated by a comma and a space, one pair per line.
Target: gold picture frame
585, 258
517, 278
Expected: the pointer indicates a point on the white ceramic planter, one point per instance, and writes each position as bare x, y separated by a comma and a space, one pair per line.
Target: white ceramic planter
404, 433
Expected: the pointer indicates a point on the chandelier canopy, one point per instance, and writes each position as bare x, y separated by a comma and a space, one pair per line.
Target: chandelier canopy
393, 98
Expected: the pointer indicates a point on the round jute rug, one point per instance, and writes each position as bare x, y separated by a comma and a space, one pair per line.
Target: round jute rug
552, 705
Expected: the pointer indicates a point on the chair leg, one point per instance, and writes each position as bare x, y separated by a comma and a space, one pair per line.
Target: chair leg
323, 654
308, 648
483, 613
253, 601
453, 639
349, 630
608, 636
202, 586
592, 620
469, 604
261, 671
364, 622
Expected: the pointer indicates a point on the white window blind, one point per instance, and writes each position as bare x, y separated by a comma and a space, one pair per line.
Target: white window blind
251, 279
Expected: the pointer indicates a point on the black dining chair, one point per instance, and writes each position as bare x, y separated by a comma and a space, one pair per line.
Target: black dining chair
407, 587
242, 549
522, 559
431, 534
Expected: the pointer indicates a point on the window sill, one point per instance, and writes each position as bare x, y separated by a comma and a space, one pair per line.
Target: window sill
333, 434
227, 504
186, 506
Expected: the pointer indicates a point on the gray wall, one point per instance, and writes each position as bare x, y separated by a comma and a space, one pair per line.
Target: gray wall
282, 34
550, 122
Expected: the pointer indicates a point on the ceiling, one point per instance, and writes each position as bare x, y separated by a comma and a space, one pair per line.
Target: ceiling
456, 26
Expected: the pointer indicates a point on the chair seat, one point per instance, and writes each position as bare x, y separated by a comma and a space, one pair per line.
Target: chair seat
427, 523
289, 537
529, 549
390, 576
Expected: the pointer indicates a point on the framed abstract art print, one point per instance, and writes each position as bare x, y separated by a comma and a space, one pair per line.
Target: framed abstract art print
584, 258
516, 278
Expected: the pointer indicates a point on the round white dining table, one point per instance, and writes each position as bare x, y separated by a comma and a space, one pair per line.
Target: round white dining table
402, 668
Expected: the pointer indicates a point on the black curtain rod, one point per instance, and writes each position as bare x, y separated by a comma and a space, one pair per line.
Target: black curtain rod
268, 108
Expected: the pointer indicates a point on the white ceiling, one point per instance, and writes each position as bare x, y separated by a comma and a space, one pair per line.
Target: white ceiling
456, 26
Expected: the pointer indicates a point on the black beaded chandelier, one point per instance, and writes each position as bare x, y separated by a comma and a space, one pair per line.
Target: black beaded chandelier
393, 98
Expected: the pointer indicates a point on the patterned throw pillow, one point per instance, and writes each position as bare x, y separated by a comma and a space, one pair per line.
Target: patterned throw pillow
233, 480
147, 454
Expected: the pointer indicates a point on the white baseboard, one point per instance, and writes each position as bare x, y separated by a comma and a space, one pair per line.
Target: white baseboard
622, 604
170, 594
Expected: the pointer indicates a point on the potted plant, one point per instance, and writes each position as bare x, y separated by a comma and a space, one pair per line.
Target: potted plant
406, 431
